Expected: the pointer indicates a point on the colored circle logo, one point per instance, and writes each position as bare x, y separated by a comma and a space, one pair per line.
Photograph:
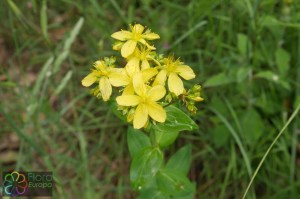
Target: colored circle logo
14, 184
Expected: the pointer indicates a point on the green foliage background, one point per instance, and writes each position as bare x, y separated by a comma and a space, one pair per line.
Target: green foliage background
245, 52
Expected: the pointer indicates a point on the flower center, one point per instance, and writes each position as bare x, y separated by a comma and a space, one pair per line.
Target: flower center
104, 73
170, 68
143, 55
144, 99
136, 36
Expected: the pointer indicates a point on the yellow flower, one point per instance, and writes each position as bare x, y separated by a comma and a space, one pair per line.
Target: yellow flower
126, 78
171, 69
102, 74
131, 38
145, 102
142, 56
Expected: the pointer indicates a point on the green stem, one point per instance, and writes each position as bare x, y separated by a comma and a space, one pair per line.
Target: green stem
172, 102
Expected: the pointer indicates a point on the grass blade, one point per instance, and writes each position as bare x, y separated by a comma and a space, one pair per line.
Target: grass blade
42, 75
67, 45
63, 83
44, 23
237, 139
185, 35
119, 11
21, 134
15, 9
269, 149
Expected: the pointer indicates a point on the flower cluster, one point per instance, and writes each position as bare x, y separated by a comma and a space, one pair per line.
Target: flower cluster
148, 81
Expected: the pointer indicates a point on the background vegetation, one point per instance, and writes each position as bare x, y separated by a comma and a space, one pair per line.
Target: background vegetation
245, 52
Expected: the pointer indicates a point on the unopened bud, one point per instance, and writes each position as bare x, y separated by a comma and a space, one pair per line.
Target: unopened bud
117, 46
198, 99
130, 115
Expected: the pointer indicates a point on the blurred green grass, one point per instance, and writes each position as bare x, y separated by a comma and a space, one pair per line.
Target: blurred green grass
246, 54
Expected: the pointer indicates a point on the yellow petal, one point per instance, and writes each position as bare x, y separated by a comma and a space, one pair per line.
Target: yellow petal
105, 88
156, 112
128, 90
160, 78
156, 93
175, 84
115, 70
145, 64
138, 28
149, 73
138, 84
133, 66
117, 45
128, 48
122, 35
118, 79
89, 80
151, 36
128, 100
185, 72
140, 116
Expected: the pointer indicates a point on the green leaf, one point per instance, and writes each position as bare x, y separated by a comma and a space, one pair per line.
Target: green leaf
220, 135
165, 138
243, 73
181, 160
153, 193
252, 126
188, 196
144, 166
296, 101
269, 75
269, 20
173, 183
244, 44
218, 103
217, 80
282, 60
274, 26
150, 191
137, 141
176, 121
